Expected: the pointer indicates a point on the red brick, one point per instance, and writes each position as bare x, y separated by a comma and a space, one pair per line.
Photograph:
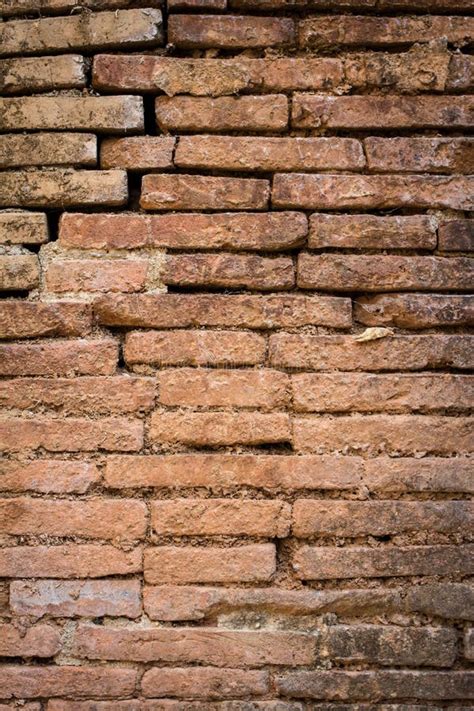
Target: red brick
47, 148
414, 310
48, 476
347, 272
22, 75
214, 517
82, 598
18, 272
22, 227
23, 319
338, 192
233, 271
96, 275
242, 113
39, 641
161, 348
71, 434
372, 232
169, 564
68, 561
204, 683
203, 192
375, 434
456, 235
381, 112
394, 353
29, 682
268, 231
244, 311
216, 429
137, 152
75, 357
268, 154
319, 563
265, 389
420, 155
229, 31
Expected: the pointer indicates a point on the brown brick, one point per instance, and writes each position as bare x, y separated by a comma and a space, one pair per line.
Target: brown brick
338, 192
216, 429
137, 152
82, 598
203, 192
68, 561
394, 353
169, 564
414, 310
38, 149
376, 434
348, 272
23, 75
22, 227
79, 395
233, 271
269, 154
241, 113
79, 357
372, 231
70, 435
456, 235
63, 188
172, 704
197, 4
108, 114
39, 641
25, 707
96, 275
319, 563
29, 682
18, 272
52, 7
420, 155
244, 311
265, 389
381, 112
426, 474
460, 73
379, 518
229, 31
469, 644
443, 600
182, 348
48, 476
204, 683
383, 4
268, 231
214, 517
124, 28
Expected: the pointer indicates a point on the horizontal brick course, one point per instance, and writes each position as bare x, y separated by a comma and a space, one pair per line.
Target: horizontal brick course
415, 310
35, 74
229, 31
18, 150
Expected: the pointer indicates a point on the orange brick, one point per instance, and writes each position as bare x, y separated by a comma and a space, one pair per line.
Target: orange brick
229, 31
75, 357
372, 232
414, 310
29, 682
38, 641
96, 275
204, 683
23, 319
137, 153
420, 155
48, 476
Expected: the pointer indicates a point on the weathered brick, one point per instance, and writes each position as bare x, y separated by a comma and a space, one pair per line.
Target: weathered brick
22, 227
372, 231
456, 235
204, 683
34, 74
269, 154
70, 435
379, 518
124, 28
33, 706
420, 155
213, 517
241, 113
63, 188
348, 272
96, 275
442, 600
469, 644
29, 682
265, 389
414, 310
229, 31
39, 641
377, 685
234, 271
137, 152
48, 476
107, 114
319, 563
84, 598
426, 474
18, 272
94, 518
197, 4
38, 149
52, 7
169, 564
394, 353
203, 192
383, 4
337, 192
362, 392
372, 434
460, 73
78, 395
170, 704
68, 561
268, 231
215, 429
244, 311
381, 112
75, 357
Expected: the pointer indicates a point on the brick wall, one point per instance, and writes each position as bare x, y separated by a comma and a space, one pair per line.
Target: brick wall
235, 362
